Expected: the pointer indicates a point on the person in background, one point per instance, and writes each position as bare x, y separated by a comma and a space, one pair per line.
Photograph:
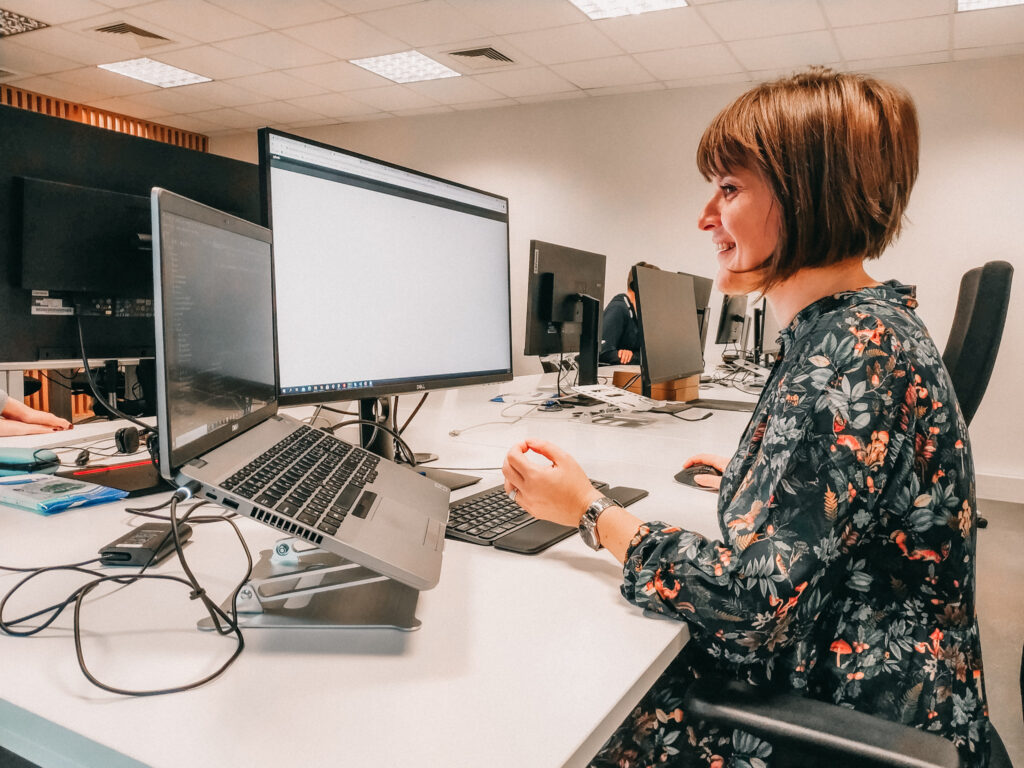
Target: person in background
16, 418
620, 328
845, 570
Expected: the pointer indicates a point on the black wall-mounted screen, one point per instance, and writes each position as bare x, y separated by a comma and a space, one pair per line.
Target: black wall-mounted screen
35, 146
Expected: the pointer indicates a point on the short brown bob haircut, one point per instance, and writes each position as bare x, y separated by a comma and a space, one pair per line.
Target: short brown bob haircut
629, 276
840, 152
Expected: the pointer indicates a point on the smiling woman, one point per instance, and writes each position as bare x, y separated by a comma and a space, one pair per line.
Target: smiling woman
845, 571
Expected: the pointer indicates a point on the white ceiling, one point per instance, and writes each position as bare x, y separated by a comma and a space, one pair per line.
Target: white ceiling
284, 62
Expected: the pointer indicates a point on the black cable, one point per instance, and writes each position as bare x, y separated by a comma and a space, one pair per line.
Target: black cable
707, 415
409, 455
411, 415
92, 384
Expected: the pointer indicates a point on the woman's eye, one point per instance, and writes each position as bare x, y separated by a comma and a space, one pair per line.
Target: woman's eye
727, 189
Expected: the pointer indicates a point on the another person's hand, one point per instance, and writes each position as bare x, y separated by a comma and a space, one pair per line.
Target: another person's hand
625, 355
559, 491
713, 460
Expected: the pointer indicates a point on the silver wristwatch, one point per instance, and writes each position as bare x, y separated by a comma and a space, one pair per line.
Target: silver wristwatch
588, 523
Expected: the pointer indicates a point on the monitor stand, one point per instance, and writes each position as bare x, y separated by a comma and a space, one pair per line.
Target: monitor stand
382, 443
293, 588
139, 477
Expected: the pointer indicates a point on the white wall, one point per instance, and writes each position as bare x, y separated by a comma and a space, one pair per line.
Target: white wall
616, 175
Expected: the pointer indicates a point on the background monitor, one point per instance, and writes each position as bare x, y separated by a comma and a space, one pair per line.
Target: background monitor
731, 321
702, 295
563, 287
386, 280
766, 333
670, 336
69, 197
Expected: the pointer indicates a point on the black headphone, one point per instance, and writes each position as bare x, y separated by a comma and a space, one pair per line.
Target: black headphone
126, 440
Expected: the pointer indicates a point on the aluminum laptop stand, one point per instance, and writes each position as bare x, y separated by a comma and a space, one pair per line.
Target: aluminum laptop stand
315, 589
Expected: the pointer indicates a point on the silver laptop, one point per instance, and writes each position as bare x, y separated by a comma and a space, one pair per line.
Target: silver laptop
217, 411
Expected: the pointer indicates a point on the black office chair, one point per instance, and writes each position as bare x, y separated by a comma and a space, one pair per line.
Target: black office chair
805, 732
973, 341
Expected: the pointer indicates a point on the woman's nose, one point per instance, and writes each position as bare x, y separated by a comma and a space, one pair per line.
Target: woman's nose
709, 218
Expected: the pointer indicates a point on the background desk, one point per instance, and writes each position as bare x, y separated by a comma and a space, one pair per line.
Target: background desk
521, 661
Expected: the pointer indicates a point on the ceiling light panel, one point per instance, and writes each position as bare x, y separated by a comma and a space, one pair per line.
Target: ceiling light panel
406, 67
977, 5
14, 23
608, 9
154, 73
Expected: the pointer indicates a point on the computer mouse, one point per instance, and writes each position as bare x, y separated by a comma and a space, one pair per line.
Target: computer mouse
18, 461
688, 476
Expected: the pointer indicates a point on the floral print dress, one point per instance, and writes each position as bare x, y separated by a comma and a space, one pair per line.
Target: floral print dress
846, 565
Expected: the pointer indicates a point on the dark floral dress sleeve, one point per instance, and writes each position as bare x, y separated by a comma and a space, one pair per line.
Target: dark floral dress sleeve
845, 566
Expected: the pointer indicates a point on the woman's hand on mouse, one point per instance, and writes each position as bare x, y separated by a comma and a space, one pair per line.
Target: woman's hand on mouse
712, 460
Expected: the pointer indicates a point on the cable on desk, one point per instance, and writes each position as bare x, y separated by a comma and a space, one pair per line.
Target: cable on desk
410, 457
95, 390
394, 411
224, 622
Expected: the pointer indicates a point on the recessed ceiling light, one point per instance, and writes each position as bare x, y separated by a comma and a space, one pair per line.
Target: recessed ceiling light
977, 5
607, 9
12, 23
406, 67
154, 72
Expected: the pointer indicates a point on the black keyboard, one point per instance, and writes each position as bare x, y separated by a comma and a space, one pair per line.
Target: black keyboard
487, 516
310, 476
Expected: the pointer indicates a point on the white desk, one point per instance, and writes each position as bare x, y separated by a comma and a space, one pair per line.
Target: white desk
521, 661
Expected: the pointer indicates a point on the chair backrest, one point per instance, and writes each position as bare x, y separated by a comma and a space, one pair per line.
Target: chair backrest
977, 329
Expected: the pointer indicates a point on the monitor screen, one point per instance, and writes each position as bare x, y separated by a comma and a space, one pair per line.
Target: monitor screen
386, 280
558, 277
669, 331
730, 322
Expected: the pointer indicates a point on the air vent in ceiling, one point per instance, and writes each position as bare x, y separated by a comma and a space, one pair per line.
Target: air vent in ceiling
12, 23
143, 37
482, 58
4, 74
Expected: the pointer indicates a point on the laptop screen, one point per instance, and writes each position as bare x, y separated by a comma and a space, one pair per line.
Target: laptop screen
216, 372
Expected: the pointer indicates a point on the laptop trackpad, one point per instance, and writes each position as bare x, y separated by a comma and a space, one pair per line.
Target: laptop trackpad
389, 518
362, 507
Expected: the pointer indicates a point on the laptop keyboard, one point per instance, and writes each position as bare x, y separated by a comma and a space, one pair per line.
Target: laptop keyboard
310, 476
489, 515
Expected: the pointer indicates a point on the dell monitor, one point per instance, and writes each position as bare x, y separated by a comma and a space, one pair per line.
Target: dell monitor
564, 296
386, 280
669, 332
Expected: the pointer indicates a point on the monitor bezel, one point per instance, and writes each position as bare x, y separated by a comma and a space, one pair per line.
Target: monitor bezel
640, 276
405, 386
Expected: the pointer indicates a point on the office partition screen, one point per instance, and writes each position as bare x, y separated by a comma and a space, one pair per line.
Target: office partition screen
386, 280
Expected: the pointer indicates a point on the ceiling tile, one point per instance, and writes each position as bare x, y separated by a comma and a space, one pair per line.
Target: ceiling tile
124, 106
454, 90
675, 28
20, 58
614, 90
394, 97
274, 50
906, 37
59, 89
346, 38
70, 45
212, 62
280, 112
433, 22
276, 85
743, 19
224, 94
230, 118
197, 19
965, 54
565, 96
362, 6
109, 83
854, 13
997, 26
561, 44
599, 73
686, 63
491, 104
893, 62
333, 105
191, 123
525, 82
520, 16
736, 77
55, 11
785, 51
276, 14
132, 45
177, 100
425, 111
339, 76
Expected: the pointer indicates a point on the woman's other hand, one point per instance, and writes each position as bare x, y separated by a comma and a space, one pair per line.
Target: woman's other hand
712, 460
559, 491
